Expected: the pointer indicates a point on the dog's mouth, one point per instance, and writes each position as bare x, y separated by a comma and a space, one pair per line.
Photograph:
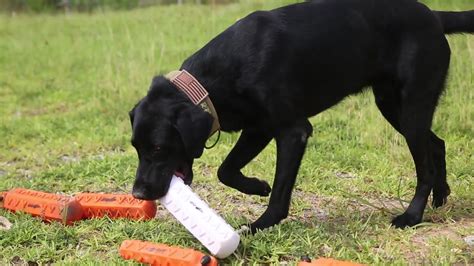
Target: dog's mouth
185, 172
151, 191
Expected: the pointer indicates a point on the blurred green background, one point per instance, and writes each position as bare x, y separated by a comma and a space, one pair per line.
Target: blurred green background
93, 5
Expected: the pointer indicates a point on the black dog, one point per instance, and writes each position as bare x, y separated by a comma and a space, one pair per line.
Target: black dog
270, 71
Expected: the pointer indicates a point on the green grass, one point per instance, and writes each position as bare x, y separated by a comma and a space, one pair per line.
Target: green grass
67, 83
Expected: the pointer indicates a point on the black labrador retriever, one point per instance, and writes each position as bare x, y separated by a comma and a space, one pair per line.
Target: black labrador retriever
272, 70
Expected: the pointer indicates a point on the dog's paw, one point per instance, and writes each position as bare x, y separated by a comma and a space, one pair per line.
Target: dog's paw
440, 197
255, 186
439, 201
264, 188
405, 220
255, 227
250, 228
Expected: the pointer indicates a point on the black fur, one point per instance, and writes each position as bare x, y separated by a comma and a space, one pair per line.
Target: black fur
457, 22
272, 70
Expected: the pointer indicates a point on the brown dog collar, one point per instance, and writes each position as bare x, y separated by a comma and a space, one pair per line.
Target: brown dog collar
191, 87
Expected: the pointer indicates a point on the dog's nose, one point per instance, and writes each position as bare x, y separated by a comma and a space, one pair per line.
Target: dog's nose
139, 194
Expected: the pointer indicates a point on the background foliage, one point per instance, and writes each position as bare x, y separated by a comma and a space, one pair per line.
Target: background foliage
91, 5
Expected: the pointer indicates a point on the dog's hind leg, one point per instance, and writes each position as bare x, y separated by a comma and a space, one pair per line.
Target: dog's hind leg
249, 145
441, 189
408, 102
423, 72
415, 122
388, 100
387, 97
291, 144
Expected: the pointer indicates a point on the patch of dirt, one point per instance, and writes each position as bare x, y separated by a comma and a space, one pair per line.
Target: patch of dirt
251, 207
5, 224
345, 175
392, 206
317, 209
206, 170
162, 213
313, 208
9, 163
423, 237
320, 207
16, 261
446, 232
25, 173
62, 108
69, 159
469, 241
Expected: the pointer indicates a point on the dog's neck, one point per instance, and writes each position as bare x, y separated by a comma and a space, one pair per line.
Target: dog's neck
196, 93
236, 111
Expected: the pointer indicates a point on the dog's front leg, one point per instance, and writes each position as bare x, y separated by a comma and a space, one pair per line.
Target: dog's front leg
251, 142
291, 144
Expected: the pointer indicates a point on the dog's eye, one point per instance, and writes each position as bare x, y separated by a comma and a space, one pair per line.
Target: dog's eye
157, 151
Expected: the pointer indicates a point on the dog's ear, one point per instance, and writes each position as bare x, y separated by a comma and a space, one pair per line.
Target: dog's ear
194, 126
161, 88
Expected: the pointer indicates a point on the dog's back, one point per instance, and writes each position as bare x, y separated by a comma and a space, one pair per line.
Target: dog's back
312, 53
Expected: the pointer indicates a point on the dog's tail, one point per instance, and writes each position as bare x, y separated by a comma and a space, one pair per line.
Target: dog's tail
457, 22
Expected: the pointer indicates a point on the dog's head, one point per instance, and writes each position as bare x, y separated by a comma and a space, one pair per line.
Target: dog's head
168, 132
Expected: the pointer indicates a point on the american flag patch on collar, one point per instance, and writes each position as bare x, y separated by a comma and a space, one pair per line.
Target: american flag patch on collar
191, 87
